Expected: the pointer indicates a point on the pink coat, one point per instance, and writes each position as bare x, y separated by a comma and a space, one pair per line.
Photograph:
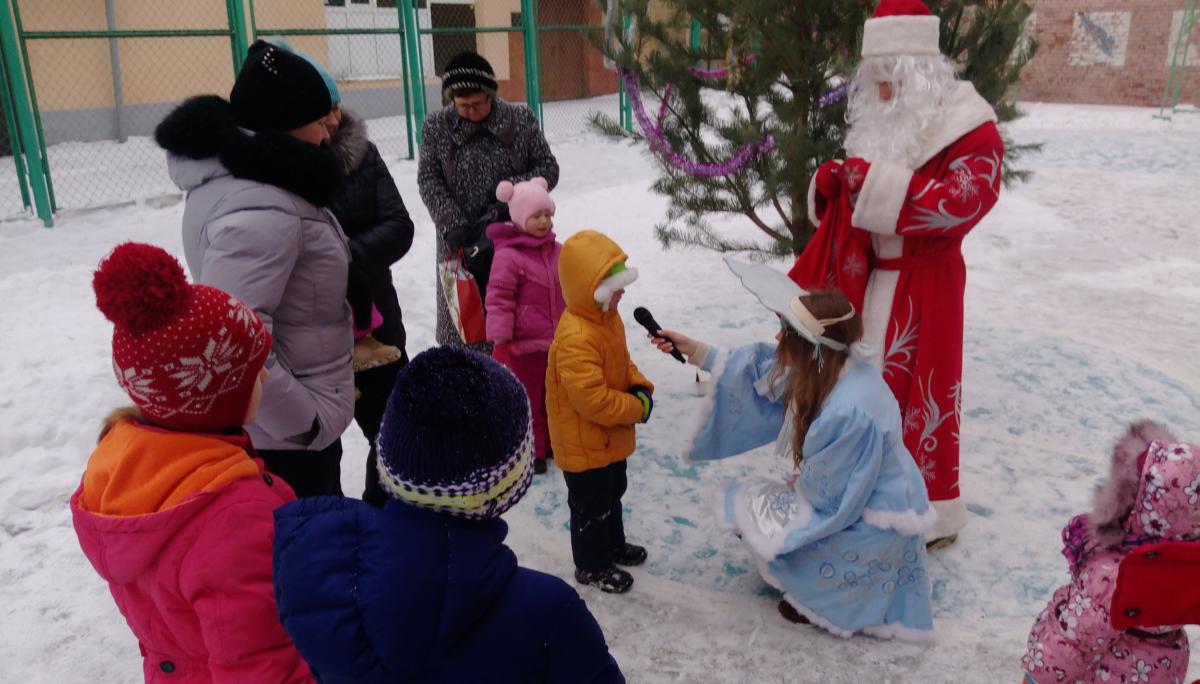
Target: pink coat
524, 297
194, 583
1151, 495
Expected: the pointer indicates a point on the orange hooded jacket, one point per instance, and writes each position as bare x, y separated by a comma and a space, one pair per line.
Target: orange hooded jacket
589, 372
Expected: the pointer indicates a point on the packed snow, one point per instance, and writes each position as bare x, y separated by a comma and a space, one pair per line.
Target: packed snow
1083, 307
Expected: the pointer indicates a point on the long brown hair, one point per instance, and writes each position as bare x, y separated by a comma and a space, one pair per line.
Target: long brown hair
811, 377
118, 415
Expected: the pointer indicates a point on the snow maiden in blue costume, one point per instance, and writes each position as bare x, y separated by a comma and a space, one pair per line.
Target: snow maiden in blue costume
842, 538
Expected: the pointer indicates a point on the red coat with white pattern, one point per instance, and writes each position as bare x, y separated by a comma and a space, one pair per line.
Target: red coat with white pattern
900, 246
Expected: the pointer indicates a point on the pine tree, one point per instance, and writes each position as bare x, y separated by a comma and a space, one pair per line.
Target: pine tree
782, 57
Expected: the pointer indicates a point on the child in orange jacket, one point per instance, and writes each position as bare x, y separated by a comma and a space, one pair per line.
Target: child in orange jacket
174, 511
595, 395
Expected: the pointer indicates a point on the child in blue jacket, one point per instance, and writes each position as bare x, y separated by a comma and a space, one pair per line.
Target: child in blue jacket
425, 589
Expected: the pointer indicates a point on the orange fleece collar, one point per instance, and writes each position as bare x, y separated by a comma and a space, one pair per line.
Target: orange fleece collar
138, 469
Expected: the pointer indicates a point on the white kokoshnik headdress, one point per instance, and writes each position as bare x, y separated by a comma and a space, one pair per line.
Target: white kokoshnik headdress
782, 295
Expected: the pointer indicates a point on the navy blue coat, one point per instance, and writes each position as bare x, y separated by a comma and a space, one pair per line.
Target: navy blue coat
409, 595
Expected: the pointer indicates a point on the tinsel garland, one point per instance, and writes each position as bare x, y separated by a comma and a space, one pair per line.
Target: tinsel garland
659, 143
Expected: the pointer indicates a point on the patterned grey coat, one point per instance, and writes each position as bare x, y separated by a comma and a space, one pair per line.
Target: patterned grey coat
461, 164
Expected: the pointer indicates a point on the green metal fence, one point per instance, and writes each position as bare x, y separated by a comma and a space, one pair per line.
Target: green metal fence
84, 82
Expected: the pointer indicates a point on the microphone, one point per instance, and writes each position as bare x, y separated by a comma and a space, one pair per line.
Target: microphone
643, 316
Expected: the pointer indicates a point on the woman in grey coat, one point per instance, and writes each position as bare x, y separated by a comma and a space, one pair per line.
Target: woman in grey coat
257, 170
467, 148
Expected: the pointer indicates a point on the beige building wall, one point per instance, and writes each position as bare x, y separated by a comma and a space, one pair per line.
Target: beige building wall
494, 46
77, 74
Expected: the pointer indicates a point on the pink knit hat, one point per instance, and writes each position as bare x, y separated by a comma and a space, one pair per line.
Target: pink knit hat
525, 198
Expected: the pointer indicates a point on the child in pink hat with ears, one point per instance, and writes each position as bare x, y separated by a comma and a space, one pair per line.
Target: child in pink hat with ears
525, 298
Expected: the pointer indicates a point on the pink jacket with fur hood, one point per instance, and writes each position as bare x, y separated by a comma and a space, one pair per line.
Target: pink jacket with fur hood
524, 297
1150, 495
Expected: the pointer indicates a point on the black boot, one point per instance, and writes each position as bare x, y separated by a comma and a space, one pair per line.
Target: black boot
629, 555
612, 580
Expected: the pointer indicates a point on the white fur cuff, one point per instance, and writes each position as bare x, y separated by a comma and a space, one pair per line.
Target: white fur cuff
610, 285
881, 199
901, 35
812, 202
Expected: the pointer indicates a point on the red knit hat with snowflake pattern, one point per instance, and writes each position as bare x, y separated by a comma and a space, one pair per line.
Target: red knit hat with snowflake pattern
901, 27
187, 355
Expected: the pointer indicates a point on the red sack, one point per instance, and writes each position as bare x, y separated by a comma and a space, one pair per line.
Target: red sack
1157, 586
462, 299
837, 257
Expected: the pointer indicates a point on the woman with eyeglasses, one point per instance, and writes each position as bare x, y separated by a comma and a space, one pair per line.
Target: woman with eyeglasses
467, 148
841, 535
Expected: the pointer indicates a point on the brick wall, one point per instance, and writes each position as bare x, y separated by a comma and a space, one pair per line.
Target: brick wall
1106, 52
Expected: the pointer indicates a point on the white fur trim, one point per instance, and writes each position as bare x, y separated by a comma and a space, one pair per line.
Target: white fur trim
812, 202
816, 619
881, 199
904, 522
908, 35
952, 518
964, 111
877, 311
719, 497
888, 631
900, 633
609, 286
706, 408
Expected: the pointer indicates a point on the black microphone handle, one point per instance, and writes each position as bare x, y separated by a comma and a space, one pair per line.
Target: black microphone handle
655, 329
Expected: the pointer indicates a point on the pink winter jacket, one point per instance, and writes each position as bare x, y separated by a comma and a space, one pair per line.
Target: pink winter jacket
193, 580
1150, 496
524, 297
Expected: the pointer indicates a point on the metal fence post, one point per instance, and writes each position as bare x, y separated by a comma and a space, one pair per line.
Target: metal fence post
27, 128
14, 136
236, 12
626, 103
416, 79
114, 59
406, 84
532, 73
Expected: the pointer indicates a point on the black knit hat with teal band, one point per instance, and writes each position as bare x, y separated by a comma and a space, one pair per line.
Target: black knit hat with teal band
457, 435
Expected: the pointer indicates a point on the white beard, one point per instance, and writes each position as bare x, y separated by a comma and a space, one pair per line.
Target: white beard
897, 131
883, 133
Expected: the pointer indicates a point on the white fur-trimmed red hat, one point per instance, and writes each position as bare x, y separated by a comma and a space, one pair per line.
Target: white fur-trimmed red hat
901, 27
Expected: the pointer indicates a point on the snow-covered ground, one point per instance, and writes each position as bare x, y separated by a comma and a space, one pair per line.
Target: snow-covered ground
1083, 313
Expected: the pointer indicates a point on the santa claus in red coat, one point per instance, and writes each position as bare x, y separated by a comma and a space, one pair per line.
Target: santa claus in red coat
923, 169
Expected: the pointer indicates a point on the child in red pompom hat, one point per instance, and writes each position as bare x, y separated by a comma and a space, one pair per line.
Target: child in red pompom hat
174, 510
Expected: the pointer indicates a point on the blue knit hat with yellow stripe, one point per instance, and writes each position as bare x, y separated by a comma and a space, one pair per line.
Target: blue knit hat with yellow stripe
457, 435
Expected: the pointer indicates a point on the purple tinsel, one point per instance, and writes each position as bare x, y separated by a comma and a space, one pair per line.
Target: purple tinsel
830, 97
834, 96
717, 74
659, 144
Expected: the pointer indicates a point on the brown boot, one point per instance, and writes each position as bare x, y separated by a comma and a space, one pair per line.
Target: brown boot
790, 614
371, 353
940, 543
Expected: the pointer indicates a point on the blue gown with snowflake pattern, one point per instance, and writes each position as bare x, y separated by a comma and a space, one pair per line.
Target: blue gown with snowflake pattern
844, 542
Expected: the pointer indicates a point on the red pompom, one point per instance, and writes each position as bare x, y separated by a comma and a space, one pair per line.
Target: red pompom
140, 287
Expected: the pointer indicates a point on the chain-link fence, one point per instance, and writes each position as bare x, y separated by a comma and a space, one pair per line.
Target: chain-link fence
574, 80
361, 44
100, 75
85, 82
